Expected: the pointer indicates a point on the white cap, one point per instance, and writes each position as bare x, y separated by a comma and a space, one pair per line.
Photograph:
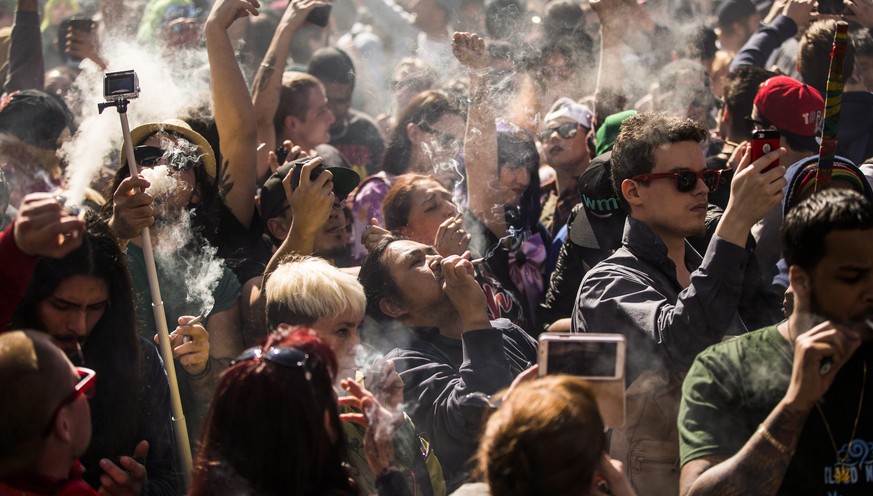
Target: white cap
565, 107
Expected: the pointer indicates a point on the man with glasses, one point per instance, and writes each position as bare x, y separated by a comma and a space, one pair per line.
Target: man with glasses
796, 111
45, 424
668, 301
564, 139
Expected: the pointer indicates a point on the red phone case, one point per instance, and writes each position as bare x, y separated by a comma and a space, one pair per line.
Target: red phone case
764, 142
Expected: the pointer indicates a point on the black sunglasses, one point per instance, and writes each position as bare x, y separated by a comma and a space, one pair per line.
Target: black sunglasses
686, 180
150, 156
284, 356
566, 130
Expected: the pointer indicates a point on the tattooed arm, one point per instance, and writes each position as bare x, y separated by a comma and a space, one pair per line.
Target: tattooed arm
268, 80
758, 468
234, 113
760, 465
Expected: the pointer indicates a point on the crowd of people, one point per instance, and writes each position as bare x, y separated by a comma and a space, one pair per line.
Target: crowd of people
319, 259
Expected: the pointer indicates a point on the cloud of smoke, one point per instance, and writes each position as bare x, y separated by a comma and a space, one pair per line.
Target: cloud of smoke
171, 87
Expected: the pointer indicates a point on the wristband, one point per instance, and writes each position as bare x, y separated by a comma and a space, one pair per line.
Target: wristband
772, 440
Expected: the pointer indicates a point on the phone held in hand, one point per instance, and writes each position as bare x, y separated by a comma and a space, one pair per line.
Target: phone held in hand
597, 358
831, 7
763, 142
319, 16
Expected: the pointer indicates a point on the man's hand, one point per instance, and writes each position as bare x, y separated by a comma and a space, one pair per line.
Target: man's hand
800, 11
451, 238
372, 234
754, 193
312, 201
863, 10
381, 425
818, 355
224, 12
297, 11
463, 290
128, 479
385, 383
131, 208
613, 14
469, 49
84, 45
43, 228
193, 354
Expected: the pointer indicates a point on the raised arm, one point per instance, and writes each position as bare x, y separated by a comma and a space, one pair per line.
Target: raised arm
26, 67
480, 140
311, 205
609, 92
268, 80
767, 39
234, 113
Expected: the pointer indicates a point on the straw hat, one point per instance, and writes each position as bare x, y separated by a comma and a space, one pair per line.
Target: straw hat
180, 128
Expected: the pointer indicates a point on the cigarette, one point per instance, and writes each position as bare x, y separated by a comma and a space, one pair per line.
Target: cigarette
79, 353
478, 261
196, 320
261, 147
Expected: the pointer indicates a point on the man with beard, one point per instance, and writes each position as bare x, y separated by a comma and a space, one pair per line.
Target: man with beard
781, 410
306, 220
355, 134
668, 301
433, 313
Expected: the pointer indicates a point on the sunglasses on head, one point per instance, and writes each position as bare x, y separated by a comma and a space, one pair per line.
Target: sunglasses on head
284, 356
686, 180
566, 130
85, 387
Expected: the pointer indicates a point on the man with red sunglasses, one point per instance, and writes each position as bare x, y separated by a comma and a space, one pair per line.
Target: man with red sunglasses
45, 421
667, 300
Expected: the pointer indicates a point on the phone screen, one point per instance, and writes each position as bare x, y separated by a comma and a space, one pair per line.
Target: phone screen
582, 358
831, 6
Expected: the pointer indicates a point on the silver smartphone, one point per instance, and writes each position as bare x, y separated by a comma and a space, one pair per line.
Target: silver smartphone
597, 358
588, 355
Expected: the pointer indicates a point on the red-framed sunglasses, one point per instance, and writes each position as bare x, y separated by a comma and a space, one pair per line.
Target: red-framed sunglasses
85, 387
686, 180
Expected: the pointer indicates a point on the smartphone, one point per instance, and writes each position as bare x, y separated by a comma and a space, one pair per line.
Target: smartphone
297, 169
319, 16
590, 356
82, 25
764, 142
831, 7
597, 358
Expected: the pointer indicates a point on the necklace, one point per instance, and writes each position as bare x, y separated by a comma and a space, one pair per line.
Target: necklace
342, 132
841, 474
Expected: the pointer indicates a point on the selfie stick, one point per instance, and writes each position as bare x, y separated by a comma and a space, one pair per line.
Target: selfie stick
833, 99
180, 427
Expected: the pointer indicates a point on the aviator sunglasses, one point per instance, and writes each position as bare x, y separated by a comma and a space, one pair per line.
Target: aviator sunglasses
565, 131
686, 180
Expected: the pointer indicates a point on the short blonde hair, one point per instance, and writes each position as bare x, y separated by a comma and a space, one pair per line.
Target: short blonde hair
304, 289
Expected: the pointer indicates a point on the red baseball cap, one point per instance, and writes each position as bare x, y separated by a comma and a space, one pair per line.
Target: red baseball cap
791, 106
